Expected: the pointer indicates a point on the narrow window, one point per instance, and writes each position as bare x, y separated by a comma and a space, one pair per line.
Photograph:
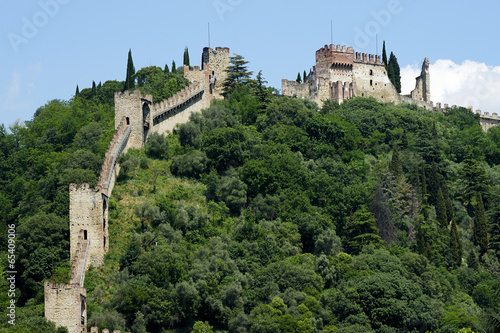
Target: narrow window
85, 234
371, 82
371, 72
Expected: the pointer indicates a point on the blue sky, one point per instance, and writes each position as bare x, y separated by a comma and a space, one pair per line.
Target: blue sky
47, 47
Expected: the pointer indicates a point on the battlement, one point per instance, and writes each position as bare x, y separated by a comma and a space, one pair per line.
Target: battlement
115, 148
368, 59
180, 98
334, 48
222, 49
96, 330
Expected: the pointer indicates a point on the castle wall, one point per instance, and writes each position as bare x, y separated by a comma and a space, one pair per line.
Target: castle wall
66, 305
181, 115
371, 80
295, 89
88, 211
488, 121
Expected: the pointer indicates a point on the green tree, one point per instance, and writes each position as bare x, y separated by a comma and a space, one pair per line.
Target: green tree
157, 146
186, 57
166, 70
299, 78
77, 92
395, 166
441, 216
434, 184
473, 177
361, 230
480, 227
129, 79
395, 72
384, 55
94, 89
455, 244
304, 76
237, 74
202, 327
174, 68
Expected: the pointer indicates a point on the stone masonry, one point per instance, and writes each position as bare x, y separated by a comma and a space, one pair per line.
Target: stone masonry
340, 74
135, 118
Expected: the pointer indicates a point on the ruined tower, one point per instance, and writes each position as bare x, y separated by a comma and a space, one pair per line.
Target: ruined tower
422, 91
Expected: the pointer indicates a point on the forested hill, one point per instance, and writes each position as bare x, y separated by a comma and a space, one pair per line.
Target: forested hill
265, 214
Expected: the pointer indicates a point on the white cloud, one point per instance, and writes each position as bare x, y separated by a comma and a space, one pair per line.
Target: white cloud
14, 89
467, 84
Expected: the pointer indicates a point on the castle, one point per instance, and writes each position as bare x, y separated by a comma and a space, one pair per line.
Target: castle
339, 74
136, 117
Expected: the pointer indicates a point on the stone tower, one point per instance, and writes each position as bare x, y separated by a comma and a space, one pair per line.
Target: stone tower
88, 215
136, 109
66, 305
422, 91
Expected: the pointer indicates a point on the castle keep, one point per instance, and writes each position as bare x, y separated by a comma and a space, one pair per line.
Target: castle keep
340, 74
136, 117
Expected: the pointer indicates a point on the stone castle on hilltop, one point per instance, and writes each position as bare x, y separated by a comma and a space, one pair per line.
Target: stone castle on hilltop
339, 74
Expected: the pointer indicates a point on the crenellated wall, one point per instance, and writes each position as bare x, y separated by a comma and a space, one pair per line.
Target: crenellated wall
135, 117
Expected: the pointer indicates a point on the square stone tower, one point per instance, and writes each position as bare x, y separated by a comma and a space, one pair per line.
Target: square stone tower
66, 305
136, 109
88, 212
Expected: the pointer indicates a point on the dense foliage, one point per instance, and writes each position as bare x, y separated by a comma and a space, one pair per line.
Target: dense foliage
263, 214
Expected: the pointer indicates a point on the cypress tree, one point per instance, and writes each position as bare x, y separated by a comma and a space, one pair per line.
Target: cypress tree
494, 227
472, 260
77, 92
480, 228
447, 201
304, 75
298, 79
166, 70
404, 140
455, 244
94, 89
434, 184
384, 55
425, 206
174, 68
424, 182
441, 216
186, 57
395, 166
394, 72
129, 80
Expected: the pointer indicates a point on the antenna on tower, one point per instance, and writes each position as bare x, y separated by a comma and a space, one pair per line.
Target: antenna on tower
209, 34
376, 43
331, 32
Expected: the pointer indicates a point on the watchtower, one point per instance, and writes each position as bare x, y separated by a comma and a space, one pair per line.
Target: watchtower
136, 109
66, 305
88, 212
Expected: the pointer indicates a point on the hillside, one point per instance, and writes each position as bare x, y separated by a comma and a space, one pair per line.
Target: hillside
263, 214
